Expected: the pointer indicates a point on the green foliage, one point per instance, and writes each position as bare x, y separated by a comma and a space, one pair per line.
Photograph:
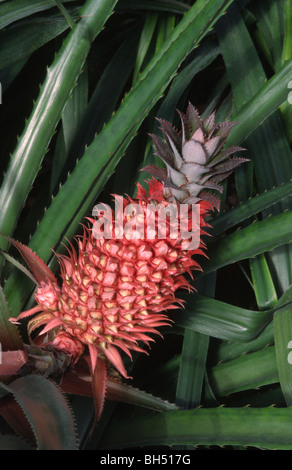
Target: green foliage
267, 428
81, 83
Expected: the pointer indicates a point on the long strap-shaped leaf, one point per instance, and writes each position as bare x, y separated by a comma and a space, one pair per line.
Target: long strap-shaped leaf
191, 372
251, 207
246, 372
11, 12
257, 238
221, 320
18, 45
193, 359
60, 80
268, 142
270, 96
283, 347
268, 428
46, 410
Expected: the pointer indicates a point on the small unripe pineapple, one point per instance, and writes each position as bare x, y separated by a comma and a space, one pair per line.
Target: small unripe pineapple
116, 287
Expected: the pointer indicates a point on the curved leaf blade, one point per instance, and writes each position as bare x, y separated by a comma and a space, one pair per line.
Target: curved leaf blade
262, 283
269, 97
11, 12
18, 45
39, 269
245, 372
283, 345
221, 320
259, 237
46, 410
268, 428
252, 206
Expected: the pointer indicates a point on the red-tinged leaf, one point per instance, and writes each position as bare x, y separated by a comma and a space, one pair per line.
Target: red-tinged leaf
211, 198
98, 375
26, 314
163, 149
46, 410
43, 318
224, 154
54, 323
14, 416
223, 130
168, 130
121, 392
213, 185
114, 357
209, 122
77, 384
193, 118
93, 356
12, 361
18, 265
39, 269
99, 387
228, 166
159, 173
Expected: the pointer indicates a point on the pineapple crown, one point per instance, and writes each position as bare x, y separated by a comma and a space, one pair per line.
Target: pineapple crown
195, 158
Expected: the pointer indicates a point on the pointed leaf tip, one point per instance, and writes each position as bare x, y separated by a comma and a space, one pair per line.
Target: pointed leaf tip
159, 173
99, 387
98, 376
37, 266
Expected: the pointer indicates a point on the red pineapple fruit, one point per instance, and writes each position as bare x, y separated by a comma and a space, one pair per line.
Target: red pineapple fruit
116, 287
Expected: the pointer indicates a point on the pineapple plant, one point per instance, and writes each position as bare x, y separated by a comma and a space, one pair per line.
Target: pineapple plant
81, 115
117, 285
